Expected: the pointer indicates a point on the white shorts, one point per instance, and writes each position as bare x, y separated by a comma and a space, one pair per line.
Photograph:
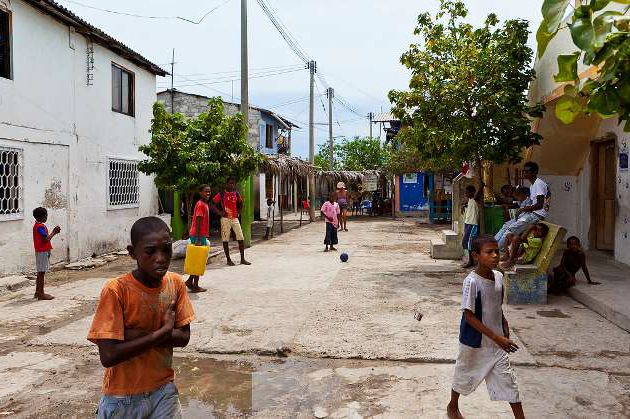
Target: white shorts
269, 222
475, 365
42, 261
229, 224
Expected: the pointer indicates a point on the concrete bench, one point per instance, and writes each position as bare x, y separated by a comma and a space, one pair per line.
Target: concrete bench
527, 284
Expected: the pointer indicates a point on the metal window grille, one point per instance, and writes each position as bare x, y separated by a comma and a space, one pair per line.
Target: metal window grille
123, 187
10, 183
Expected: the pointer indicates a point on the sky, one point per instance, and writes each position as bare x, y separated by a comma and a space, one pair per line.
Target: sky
357, 45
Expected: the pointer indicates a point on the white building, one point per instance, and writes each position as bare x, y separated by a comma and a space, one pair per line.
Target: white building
75, 104
585, 163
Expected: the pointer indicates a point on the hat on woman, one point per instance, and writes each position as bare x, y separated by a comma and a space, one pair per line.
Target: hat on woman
341, 185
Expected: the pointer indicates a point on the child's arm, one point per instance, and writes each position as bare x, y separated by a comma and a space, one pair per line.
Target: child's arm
55, 231
585, 270
198, 222
179, 337
505, 343
113, 352
506, 326
213, 208
528, 231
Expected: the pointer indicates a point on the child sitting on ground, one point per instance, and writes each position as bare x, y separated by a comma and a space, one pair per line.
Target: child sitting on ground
573, 259
141, 316
484, 334
41, 241
524, 249
330, 210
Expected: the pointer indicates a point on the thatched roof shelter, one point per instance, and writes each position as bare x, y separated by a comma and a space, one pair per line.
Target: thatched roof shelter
346, 175
286, 166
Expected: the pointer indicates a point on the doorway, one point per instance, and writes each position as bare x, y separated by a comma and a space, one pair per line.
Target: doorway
604, 164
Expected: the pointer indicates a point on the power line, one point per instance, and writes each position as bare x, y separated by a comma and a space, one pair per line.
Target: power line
228, 80
116, 12
274, 68
284, 32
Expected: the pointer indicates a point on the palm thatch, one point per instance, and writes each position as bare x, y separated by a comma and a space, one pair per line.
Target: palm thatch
346, 175
286, 166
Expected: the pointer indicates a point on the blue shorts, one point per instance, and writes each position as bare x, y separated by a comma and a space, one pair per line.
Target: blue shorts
163, 402
471, 231
203, 241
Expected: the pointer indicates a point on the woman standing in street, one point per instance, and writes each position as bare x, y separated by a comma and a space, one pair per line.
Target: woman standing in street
342, 200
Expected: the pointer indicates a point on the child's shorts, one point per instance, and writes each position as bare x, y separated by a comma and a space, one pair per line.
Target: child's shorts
162, 402
475, 365
203, 240
42, 260
471, 231
229, 224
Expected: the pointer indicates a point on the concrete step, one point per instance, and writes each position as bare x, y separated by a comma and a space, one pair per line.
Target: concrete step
11, 284
618, 314
442, 250
450, 237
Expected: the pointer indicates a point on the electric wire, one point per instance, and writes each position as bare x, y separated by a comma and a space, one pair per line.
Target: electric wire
116, 12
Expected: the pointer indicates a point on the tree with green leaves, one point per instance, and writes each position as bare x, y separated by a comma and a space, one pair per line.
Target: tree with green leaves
467, 99
357, 154
187, 152
600, 30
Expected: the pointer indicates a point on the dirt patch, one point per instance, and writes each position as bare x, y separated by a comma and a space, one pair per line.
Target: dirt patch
553, 313
238, 332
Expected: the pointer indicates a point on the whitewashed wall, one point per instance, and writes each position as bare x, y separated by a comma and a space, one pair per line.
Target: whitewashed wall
67, 130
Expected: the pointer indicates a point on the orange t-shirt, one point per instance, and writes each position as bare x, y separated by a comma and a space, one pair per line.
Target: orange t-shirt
126, 303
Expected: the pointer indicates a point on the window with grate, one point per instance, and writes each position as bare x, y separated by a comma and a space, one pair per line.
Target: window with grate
5, 45
123, 187
10, 183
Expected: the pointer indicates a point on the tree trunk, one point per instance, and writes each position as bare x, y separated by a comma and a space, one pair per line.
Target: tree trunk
482, 204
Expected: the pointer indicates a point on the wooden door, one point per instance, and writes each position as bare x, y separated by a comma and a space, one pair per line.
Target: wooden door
605, 197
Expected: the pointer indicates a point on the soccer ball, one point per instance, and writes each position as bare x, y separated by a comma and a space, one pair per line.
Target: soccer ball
344, 257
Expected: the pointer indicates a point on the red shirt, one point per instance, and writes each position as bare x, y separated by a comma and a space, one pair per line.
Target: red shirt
201, 210
230, 201
40, 238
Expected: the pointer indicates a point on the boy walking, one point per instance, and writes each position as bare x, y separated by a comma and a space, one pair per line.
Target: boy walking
231, 207
484, 334
199, 231
330, 210
41, 242
141, 316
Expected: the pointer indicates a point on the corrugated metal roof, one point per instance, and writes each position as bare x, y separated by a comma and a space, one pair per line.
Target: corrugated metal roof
82, 27
385, 117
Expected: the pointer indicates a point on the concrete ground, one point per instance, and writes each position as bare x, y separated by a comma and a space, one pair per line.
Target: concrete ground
300, 334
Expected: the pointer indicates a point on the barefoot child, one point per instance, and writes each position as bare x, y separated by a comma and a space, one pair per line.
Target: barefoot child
41, 241
471, 221
231, 206
484, 334
141, 316
524, 249
330, 210
200, 231
270, 208
573, 259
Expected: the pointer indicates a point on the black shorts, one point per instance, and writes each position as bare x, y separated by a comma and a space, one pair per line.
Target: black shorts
331, 235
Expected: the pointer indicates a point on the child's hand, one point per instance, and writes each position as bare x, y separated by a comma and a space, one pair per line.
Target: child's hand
57, 230
169, 317
506, 344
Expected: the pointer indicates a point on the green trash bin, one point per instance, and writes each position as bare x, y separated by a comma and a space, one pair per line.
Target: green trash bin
494, 219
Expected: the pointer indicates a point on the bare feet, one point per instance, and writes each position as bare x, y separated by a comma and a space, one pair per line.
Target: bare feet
334, 249
326, 249
594, 283
189, 284
230, 263
44, 296
453, 412
244, 262
198, 289
345, 229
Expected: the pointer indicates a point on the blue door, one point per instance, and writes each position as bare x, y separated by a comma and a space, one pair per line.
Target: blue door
413, 194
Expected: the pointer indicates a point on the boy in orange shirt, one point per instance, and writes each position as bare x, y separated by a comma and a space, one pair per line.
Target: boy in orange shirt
140, 318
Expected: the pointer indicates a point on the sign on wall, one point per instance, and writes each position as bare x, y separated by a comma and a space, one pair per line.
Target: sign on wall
410, 178
370, 183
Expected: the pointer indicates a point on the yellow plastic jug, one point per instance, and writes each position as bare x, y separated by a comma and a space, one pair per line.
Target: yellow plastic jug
196, 259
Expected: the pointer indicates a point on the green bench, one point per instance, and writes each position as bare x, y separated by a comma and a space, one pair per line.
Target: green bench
527, 284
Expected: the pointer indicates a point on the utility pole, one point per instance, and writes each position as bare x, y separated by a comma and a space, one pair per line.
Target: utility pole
247, 189
371, 117
331, 94
312, 66
173, 83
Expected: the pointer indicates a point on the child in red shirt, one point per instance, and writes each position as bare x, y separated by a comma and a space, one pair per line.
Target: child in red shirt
41, 242
200, 231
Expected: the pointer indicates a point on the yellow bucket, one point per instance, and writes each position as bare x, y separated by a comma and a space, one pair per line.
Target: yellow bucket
196, 259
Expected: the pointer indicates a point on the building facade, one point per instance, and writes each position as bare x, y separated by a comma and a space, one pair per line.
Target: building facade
269, 133
75, 104
585, 163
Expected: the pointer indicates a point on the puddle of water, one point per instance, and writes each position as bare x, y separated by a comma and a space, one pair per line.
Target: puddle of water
210, 388
553, 313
